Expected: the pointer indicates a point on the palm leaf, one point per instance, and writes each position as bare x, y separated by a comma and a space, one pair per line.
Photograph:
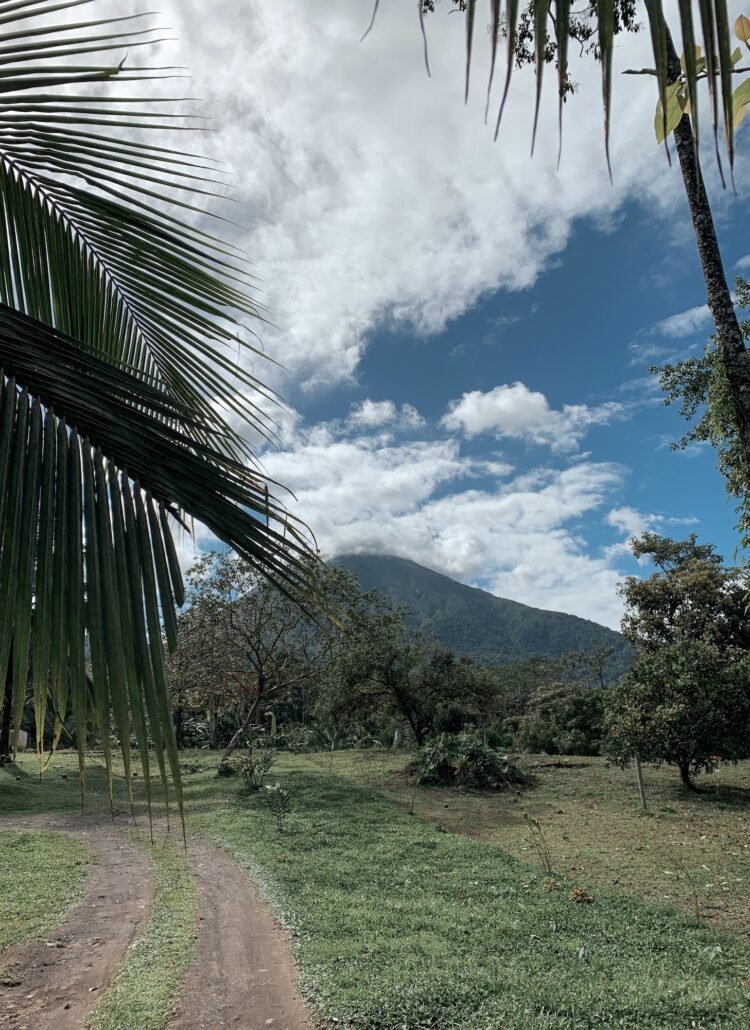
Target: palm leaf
125, 329
96, 461
715, 27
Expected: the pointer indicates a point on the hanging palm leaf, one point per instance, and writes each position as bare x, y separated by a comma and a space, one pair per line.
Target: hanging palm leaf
123, 343
715, 23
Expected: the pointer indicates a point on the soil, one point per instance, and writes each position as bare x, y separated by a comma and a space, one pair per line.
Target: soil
58, 980
242, 975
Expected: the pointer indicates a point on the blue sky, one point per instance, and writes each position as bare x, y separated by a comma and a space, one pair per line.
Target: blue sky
465, 332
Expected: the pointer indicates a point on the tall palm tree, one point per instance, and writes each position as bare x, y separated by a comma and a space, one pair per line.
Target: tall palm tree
123, 345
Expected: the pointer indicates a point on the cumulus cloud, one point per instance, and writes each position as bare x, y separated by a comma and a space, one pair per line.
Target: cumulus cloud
362, 209
633, 523
519, 413
515, 535
685, 323
385, 413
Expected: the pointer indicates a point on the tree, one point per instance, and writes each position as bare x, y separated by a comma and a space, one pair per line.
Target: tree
243, 641
123, 400
594, 28
687, 698
686, 703
383, 671
562, 719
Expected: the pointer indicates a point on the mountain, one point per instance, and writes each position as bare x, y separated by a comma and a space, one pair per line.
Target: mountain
470, 621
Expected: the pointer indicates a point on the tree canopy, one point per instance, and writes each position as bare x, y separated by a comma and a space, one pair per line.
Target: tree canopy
687, 698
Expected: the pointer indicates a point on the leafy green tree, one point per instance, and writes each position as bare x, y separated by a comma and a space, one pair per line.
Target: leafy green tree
562, 719
245, 643
125, 400
384, 671
699, 387
687, 698
686, 703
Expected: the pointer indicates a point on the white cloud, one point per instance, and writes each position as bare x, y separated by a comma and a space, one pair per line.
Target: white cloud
629, 521
385, 413
518, 536
523, 414
685, 323
743, 263
370, 193
634, 523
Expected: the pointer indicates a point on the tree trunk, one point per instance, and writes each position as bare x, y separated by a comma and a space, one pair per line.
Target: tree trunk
6, 712
212, 735
732, 352
686, 777
236, 740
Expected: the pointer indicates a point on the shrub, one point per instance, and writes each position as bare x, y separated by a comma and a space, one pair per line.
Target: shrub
464, 760
253, 765
562, 719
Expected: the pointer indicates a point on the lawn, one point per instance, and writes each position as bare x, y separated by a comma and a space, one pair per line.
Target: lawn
690, 850
40, 874
398, 923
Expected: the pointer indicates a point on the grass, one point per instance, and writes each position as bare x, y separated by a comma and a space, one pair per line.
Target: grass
398, 923
147, 983
691, 850
40, 874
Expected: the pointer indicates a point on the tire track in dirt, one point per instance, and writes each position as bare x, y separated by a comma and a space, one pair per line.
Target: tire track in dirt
242, 975
57, 980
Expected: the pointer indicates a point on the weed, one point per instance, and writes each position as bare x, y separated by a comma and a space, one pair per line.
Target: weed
539, 842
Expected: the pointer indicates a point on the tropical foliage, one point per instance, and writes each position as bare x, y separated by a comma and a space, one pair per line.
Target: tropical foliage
123, 339
687, 698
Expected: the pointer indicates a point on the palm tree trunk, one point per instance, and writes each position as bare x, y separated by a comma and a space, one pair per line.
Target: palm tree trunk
733, 354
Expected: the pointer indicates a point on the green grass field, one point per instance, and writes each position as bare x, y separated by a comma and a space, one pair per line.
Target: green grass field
39, 878
398, 923
690, 850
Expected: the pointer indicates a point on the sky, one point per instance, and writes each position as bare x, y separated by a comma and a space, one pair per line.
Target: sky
462, 332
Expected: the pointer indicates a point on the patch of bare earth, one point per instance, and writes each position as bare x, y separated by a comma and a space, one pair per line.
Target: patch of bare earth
242, 974
54, 982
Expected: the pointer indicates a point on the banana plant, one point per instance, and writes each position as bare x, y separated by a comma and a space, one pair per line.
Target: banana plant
126, 398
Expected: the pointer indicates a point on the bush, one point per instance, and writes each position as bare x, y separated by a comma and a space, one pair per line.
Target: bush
562, 719
464, 760
253, 765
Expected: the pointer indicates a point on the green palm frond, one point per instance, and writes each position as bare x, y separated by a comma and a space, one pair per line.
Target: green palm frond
90, 246
716, 44
125, 349
93, 463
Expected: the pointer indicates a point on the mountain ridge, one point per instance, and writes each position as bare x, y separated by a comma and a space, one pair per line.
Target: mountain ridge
468, 620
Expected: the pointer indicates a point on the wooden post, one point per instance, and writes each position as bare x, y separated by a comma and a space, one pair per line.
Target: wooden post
641, 788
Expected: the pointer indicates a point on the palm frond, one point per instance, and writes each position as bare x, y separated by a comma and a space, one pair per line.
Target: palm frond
715, 27
89, 245
93, 460
126, 349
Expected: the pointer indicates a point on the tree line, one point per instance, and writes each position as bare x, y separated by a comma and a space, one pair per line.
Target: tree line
249, 660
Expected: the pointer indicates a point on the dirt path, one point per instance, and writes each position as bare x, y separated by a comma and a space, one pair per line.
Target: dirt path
59, 979
242, 975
